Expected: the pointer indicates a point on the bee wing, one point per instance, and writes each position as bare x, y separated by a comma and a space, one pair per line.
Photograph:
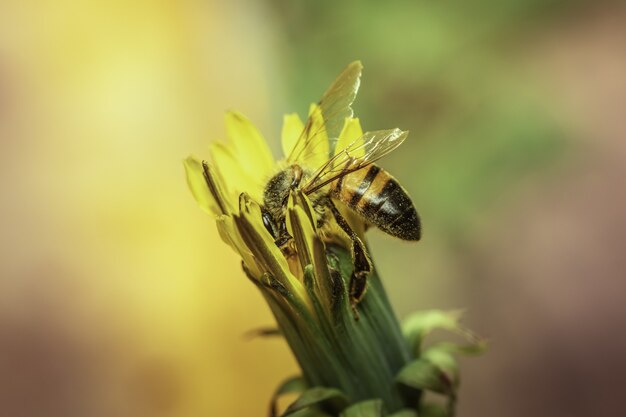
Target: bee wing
335, 106
362, 152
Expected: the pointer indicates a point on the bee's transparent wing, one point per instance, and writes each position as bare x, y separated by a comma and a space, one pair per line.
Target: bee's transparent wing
362, 152
335, 107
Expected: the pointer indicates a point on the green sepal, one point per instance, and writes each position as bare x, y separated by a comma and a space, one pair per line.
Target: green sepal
310, 283
445, 363
311, 249
419, 324
265, 332
294, 384
406, 412
442, 356
476, 347
368, 408
422, 374
331, 397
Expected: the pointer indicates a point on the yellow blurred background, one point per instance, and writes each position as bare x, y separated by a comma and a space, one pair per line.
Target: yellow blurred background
117, 297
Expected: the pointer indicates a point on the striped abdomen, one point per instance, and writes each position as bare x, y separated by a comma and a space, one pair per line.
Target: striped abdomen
377, 196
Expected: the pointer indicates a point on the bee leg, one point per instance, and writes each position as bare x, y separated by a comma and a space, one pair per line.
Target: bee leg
362, 263
283, 235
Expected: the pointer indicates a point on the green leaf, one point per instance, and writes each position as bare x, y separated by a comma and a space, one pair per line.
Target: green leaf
316, 396
406, 412
424, 375
369, 408
421, 323
288, 386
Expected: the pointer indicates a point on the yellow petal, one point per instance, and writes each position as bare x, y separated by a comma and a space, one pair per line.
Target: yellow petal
292, 129
229, 234
351, 132
299, 226
231, 173
317, 152
301, 200
310, 249
256, 237
200, 189
251, 150
251, 216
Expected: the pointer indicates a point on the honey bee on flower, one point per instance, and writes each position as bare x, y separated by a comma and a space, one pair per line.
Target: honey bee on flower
299, 226
345, 173
330, 164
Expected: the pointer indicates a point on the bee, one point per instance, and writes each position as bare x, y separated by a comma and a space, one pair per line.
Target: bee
348, 177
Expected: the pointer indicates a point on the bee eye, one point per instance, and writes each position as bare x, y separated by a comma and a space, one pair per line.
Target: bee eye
268, 223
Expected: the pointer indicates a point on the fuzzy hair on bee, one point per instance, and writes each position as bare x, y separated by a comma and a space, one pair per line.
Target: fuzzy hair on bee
276, 195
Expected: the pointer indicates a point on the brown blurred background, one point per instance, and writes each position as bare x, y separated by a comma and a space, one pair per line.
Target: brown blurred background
117, 297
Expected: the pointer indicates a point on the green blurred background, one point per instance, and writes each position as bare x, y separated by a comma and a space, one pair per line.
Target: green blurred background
117, 297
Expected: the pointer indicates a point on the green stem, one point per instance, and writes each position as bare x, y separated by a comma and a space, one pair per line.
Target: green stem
373, 344
361, 357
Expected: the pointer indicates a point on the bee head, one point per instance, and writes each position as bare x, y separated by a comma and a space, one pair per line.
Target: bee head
276, 197
276, 194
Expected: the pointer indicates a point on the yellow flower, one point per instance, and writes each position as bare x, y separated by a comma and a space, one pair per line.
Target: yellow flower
366, 363
230, 188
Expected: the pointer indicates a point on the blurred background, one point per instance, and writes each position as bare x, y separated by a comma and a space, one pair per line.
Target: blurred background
117, 297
